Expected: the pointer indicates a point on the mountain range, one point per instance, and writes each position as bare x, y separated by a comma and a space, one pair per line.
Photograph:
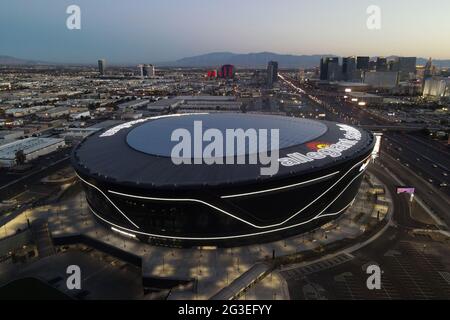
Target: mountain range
8, 60
241, 60
260, 60
248, 60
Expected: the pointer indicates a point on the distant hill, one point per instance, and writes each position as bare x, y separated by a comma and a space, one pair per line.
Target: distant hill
242, 60
445, 63
248, 60
8, 60
438, 63
260, 59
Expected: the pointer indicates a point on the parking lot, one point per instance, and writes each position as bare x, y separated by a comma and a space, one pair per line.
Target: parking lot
416, 267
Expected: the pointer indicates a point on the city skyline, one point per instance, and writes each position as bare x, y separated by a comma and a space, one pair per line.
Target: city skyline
210, 59
169, 30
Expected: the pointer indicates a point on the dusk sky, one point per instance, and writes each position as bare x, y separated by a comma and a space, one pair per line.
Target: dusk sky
164, 30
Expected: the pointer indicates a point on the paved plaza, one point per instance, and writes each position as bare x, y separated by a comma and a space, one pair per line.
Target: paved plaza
210, 270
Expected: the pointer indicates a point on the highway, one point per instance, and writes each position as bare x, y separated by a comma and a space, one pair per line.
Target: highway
434, 199
434, 160
417, 161
426, 162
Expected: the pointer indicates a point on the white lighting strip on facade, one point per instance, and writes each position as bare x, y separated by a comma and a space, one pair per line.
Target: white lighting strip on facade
123, 232
365, 164
279, 188
93, 186
112, 131
227, 237
230, 214
319, 215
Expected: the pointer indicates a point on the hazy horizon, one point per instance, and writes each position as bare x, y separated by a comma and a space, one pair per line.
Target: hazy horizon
161, 31
162, 63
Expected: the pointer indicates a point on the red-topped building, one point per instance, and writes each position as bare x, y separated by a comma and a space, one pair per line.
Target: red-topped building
226, 71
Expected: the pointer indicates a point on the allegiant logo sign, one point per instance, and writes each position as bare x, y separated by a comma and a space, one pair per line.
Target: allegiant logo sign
316, 145
351, 137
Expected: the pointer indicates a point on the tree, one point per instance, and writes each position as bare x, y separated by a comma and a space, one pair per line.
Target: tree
20, 157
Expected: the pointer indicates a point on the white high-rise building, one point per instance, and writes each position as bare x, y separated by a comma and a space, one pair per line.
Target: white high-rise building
146, 70
438, 87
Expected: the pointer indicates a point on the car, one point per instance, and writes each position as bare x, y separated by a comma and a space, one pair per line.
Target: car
435, 166
444, 174
430, 180
443, 184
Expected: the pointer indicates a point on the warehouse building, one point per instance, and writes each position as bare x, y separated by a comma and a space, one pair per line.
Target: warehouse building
32, 148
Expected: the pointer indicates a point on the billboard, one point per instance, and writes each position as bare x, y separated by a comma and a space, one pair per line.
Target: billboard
409, 190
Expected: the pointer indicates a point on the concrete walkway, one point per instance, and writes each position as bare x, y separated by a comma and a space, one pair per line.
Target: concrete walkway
248, 278
212, 270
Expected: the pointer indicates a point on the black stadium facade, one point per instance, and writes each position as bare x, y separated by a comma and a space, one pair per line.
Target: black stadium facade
133, 186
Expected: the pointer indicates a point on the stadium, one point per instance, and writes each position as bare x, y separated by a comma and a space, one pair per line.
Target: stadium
133, 185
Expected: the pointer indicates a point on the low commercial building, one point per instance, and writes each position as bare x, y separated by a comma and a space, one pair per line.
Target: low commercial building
164, 104
188, 104
381, 79
22, 112
54, 113
134, 104
131, 115
80, 115
31, 148
11, 134
11, 122
5, 86
208, 103
78, 133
